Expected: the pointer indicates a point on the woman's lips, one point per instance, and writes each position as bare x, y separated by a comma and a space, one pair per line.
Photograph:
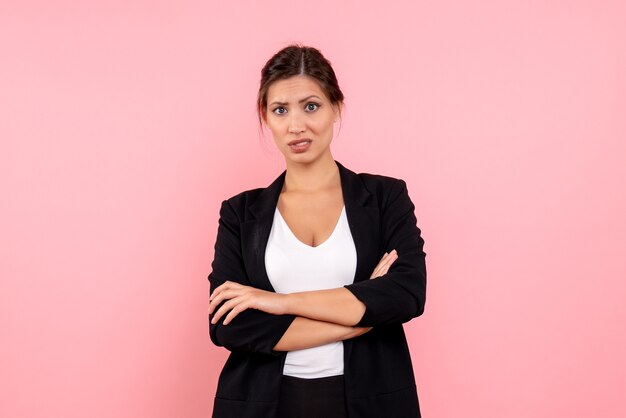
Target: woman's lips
300, 146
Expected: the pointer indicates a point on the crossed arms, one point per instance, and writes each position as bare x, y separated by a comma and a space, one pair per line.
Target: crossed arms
246, 318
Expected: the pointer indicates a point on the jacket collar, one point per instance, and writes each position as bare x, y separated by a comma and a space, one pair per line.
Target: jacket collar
354, 193
361, 211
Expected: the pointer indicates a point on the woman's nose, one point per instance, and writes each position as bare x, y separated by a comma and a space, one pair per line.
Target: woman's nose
295, 124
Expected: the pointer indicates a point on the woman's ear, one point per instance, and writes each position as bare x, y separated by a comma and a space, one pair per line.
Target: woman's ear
262, 117
337, 109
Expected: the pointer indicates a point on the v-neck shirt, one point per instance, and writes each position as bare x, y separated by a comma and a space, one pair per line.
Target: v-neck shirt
293, 266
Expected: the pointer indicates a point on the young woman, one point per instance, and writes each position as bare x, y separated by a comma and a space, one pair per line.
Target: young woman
314, 275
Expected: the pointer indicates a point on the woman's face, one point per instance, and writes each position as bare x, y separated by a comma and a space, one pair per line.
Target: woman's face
298, 109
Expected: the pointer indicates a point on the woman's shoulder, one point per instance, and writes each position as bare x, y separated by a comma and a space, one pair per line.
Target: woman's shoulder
376, 178
245, 194
368, 176
381, 184
243, 198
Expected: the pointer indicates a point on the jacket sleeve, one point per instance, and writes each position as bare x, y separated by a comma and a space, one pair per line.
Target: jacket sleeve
251, 329
400, 294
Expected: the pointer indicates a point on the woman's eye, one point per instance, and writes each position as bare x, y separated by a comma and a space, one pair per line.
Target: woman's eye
280, 110
311, 106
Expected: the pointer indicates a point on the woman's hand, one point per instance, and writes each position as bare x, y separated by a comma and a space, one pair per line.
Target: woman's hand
240, 297
383, 265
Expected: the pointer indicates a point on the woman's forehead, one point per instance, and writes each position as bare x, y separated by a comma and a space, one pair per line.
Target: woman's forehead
293, 89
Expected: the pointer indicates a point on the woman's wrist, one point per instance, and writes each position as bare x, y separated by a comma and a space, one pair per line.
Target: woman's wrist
288, 303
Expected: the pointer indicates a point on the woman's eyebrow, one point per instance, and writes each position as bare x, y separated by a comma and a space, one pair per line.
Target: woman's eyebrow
284, 103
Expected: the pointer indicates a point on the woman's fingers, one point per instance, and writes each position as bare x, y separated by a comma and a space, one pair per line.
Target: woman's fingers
393, 256
379, 266
226, 290
227, 306
224, 294
226, 285
384, 264
234, 312
236, 298
217, 298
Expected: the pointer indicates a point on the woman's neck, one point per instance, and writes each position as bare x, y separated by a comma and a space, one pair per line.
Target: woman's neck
315, 176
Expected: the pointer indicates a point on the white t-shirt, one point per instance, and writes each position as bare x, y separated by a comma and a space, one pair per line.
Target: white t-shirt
293, 266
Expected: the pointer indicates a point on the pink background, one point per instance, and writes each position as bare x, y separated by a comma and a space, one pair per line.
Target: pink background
124, 125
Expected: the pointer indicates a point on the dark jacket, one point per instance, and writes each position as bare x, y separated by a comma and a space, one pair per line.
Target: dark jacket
378, 373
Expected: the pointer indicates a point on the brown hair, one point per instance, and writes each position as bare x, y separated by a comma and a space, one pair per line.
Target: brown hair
297, 59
